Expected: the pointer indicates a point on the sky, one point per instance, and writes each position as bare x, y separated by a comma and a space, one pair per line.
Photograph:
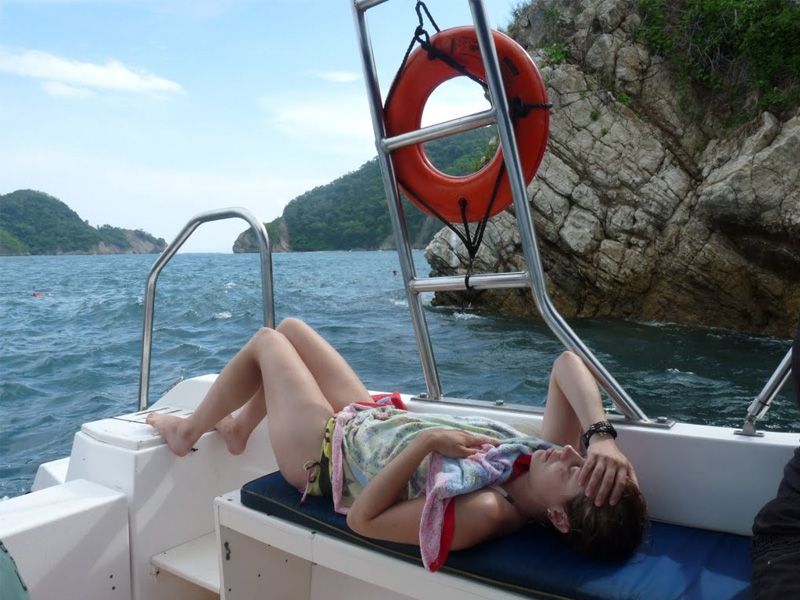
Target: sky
142, 113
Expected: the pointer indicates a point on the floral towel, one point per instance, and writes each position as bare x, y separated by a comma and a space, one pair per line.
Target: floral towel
367, 438
450, 477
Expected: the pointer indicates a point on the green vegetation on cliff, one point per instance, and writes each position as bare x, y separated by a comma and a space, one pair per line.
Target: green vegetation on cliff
35, 223
731, 47
351, 212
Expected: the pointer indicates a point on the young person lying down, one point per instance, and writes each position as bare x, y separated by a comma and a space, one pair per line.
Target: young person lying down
443, 482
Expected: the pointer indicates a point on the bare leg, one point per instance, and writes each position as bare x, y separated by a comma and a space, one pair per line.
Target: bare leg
295, 402
237, 382
336, 379
297, 408
236, 430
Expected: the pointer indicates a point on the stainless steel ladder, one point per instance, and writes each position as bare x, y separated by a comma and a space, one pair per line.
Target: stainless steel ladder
534, 276
267, 296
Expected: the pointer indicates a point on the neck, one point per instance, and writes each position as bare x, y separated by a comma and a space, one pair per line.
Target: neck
526, 501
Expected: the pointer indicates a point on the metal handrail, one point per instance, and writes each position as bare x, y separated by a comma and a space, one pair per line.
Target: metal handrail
268, 301
440, 130
761, 404
518, 189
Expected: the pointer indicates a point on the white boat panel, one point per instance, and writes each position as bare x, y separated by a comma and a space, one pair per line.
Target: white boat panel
253, 570
127, 431
282, 534
50, 473
327, 584
170, 499
69, 541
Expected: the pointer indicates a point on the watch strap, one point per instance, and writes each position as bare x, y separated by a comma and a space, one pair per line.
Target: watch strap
599, 427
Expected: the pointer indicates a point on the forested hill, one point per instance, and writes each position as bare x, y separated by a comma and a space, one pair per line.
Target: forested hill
351, 212
35, 223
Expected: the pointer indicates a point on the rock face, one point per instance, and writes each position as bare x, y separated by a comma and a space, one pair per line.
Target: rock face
137, 243
246, 241
642, 211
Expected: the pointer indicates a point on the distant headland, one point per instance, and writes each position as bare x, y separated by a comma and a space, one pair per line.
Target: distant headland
33, 222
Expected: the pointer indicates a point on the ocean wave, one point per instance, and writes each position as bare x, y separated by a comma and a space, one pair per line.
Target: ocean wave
673, 371
466, 316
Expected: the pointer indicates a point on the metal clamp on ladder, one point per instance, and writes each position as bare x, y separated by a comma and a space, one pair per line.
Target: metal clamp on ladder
534, 278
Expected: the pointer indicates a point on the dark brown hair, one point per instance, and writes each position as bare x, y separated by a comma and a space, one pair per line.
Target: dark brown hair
608, 532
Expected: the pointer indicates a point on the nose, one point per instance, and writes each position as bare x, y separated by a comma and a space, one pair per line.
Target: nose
570, 456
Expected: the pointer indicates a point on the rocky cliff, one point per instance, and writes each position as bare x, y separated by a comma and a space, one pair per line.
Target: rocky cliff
644, 208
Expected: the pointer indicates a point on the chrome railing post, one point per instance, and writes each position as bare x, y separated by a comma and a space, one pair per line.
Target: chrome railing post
761, 404
267, 297
419, 324
525, 222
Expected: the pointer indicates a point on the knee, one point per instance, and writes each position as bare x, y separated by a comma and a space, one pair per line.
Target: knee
291, 325
568, 361
264, 336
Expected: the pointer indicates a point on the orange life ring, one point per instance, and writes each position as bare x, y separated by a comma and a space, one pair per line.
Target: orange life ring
421, 75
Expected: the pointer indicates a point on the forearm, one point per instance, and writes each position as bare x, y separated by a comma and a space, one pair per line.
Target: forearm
383, 491
573, 405
573, 401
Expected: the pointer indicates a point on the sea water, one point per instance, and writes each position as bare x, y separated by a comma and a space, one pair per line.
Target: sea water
71, 327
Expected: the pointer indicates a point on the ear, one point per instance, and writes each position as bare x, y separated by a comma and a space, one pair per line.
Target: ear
558, 517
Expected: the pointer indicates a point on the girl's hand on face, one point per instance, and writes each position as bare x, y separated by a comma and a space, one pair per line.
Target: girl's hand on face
605, 472
454, 443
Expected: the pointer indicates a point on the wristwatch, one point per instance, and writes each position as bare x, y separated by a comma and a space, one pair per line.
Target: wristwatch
599, 427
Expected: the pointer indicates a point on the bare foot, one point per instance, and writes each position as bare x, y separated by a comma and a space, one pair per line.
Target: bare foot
234, 438
175, 432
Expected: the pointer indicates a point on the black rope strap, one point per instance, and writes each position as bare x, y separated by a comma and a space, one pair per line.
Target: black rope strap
423, 38
471, 240
518, 109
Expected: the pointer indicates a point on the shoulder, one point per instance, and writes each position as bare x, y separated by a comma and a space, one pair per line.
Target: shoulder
482, 515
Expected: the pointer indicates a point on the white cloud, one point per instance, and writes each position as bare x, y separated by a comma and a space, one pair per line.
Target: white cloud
64, 90
62, 73
337, 123
336, 76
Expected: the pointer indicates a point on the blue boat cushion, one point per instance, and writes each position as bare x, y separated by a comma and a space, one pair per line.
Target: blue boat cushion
674, 561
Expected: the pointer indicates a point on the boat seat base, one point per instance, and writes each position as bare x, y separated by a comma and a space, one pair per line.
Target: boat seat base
674, 561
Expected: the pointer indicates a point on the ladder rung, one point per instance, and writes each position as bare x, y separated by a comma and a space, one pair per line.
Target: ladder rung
363, 5
440, 130
480, 282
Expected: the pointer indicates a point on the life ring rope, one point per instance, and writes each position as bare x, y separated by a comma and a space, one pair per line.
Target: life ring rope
481, 195
423, 38
472, 241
